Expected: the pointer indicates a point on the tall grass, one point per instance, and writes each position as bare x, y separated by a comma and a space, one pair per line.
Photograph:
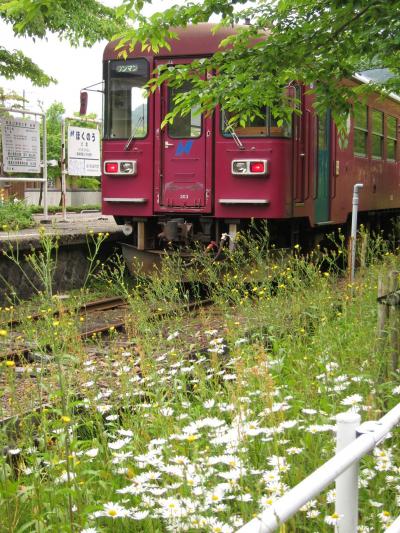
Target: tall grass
198, 423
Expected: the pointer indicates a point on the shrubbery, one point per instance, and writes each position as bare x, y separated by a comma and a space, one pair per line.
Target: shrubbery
15, 214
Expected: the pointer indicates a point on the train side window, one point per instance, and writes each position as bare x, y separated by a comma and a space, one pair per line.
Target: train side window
377, 134
186, 126
361, 130
391, 140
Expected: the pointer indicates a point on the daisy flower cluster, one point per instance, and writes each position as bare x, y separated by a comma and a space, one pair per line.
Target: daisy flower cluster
202, 430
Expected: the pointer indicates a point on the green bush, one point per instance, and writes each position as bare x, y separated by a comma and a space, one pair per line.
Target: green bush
15, 214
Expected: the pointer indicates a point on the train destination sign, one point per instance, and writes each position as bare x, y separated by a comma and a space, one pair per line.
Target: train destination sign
83, 151
21, 145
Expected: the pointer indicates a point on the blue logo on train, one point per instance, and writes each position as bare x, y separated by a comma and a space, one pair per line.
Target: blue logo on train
184, 148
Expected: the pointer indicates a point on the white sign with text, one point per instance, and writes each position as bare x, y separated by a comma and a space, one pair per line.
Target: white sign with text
21, 145
83, 151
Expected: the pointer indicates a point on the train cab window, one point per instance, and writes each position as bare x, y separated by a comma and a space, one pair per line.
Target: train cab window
261, 126
126, 101
361, 130
187, 126
377, 134
391, 138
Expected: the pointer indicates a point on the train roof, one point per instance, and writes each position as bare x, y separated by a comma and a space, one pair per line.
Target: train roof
194, 40
201, 40
364, 78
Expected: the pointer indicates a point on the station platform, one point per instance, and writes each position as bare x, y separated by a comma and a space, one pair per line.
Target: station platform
76, 230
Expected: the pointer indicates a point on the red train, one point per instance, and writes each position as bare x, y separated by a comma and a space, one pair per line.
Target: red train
197, 178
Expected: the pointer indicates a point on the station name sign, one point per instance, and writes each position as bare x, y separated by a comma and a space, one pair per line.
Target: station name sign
83, 151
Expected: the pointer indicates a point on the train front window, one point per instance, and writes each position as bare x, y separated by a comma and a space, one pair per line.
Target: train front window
263, 125
127, 103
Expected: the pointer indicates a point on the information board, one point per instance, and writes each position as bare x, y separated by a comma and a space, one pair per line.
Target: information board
83, 151
21, 145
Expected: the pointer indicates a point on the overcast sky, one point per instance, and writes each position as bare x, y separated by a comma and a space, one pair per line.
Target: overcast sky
74, 68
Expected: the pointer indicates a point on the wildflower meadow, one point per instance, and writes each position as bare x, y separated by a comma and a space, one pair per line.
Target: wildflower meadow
198, 421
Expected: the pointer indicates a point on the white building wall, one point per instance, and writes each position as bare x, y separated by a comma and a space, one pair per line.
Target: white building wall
74, 198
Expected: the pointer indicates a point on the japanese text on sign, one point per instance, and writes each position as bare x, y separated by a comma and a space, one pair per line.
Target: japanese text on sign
83, 151
21, 145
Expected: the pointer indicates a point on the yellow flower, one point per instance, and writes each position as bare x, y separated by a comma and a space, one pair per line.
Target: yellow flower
56, 323
3, 333
66, 419
191, 438
10, 363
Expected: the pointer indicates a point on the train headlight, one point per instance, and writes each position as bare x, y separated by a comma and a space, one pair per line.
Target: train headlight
127, 167
120, 167
239, 167
250, 167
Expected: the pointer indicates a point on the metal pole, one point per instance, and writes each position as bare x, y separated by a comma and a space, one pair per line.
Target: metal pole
290, 503
45, 184
346, 505
63, 174
353, 236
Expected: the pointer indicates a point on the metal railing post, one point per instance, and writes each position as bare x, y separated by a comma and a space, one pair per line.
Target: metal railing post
346, 505
339, 466
45, 182
353, 236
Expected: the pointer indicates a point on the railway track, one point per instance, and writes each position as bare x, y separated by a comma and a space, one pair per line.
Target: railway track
25, 353
95, 323
28, 362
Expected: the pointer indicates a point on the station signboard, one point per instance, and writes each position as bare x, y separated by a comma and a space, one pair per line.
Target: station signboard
21, 145
83, 151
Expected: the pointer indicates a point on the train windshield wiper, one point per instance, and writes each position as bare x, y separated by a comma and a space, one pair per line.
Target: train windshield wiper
230, 129
138, 124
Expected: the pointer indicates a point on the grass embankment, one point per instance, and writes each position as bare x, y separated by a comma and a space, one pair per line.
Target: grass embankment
200, 425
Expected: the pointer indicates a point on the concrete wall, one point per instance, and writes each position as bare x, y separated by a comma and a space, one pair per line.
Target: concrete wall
74, 198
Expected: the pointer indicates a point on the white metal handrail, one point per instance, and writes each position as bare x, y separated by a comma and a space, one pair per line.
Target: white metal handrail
395, 527
286, 506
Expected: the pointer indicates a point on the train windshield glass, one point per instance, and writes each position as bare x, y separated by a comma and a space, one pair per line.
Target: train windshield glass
126, 113
262, 126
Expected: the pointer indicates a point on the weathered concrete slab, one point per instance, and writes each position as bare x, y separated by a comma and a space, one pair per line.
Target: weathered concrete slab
75, 231
20, 281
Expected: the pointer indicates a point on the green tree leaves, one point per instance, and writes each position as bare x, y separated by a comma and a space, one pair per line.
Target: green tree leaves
81, 22
318, 42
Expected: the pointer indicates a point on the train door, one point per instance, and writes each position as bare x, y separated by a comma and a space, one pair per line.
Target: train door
183, 180
323, 168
